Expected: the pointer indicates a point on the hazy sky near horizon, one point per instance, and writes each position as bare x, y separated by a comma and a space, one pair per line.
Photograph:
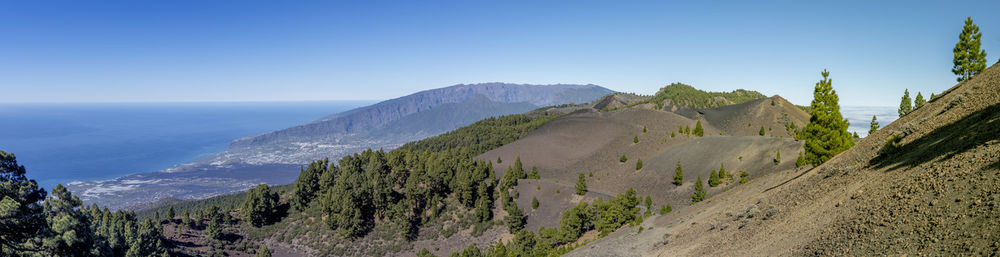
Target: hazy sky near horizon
186, 50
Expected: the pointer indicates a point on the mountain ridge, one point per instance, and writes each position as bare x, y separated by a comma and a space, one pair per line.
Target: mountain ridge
275, 157
366, 123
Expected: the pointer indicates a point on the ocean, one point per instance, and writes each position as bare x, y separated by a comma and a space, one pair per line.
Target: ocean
61, 143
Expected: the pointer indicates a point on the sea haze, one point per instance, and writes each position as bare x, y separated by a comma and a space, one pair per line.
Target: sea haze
860, 117
61, 143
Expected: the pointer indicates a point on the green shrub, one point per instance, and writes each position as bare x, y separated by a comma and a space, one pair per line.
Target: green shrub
623, 159
643, 129
666, 209
892, 144
263, 252
713, 179
761, 131
616, 212
698, 130
425, 253
801, 161
699, 191
534, 173
534, 203
638, 165
581, 185
515, 218
743, 177
635, 139
678, 174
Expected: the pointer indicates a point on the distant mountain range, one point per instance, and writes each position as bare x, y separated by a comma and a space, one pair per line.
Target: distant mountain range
274, 157
391, 123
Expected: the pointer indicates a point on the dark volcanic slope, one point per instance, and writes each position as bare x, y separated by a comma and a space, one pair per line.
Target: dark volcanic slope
593, 142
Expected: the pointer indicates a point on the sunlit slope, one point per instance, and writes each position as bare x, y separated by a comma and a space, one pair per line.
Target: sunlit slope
938, 194
593, 143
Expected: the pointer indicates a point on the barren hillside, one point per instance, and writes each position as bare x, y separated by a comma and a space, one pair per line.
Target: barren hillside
593, 142
939, 194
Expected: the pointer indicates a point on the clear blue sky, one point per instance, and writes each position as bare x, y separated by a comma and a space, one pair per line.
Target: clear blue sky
186, 50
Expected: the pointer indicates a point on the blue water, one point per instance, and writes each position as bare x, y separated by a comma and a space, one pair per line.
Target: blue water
61, 143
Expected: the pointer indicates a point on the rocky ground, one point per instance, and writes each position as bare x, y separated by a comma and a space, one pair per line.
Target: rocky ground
939, 194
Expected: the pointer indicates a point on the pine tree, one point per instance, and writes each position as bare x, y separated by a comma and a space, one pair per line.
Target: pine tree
801, 161
534, 173
69, 232
307, 186
698, 130
623, 159
678, 174
919, 101
904, 104
534, 203
581, 185
575, 221
777, 157
514, 219
826, 134
212, 230
874, 127
22, 215
519, 169
761, 131
186, 218
969, 59
722, 171
638, 164
713, 179
643, 129
635, 139
259, 206
699, 191
171, 214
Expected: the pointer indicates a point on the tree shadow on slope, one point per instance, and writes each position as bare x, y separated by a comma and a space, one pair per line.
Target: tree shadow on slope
947, 141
